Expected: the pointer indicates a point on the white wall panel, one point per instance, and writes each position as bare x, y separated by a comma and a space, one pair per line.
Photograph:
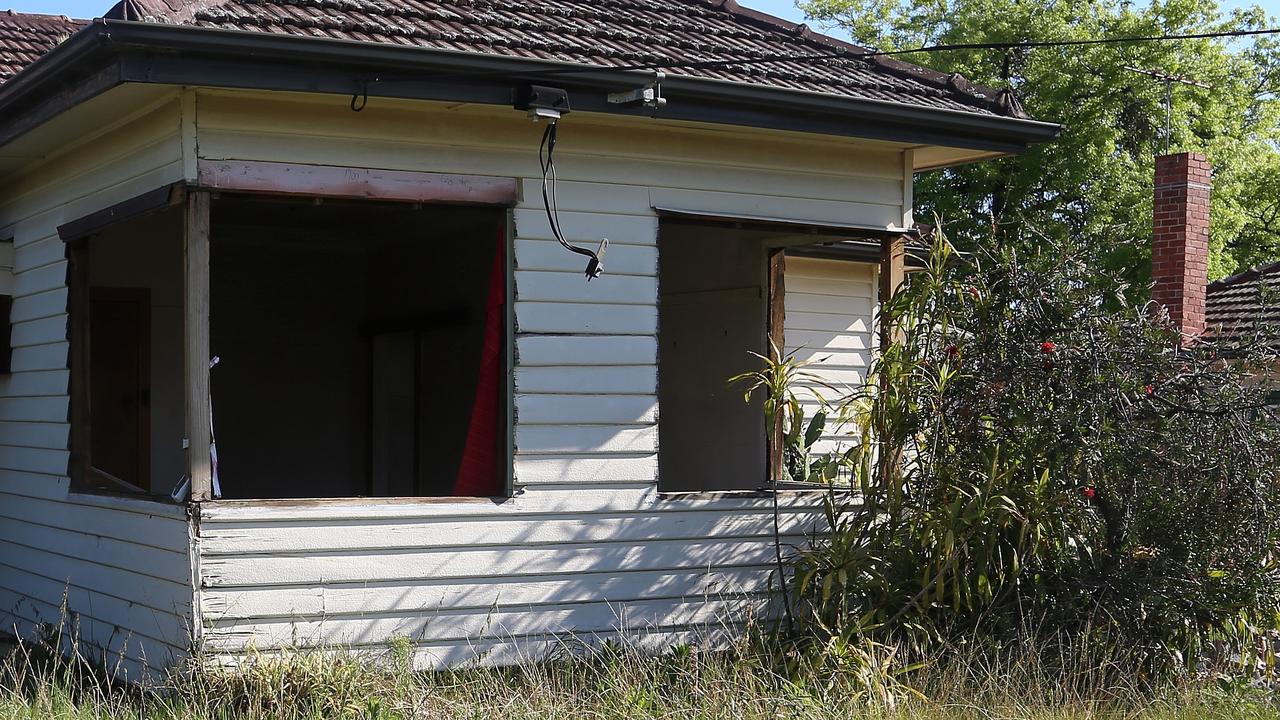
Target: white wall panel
587, 544
121, 566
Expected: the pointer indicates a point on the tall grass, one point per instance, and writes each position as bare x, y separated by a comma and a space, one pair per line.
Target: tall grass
617, 682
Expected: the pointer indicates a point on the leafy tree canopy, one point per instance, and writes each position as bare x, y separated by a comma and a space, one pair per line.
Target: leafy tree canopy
1095, 182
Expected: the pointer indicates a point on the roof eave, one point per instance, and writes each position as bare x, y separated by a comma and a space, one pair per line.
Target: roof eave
178, 54
70, 53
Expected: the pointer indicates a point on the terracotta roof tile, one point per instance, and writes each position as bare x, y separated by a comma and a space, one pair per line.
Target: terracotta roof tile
24, 37
666, 33
1244, 303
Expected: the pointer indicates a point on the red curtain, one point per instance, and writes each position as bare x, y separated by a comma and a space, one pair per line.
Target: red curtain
478, 472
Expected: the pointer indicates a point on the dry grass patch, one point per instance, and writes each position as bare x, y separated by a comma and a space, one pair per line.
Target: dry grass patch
684, 684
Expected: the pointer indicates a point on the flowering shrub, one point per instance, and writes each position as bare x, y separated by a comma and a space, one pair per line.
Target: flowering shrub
1047, 456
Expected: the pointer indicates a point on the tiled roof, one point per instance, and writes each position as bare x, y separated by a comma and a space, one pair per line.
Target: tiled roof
664, 33
1242, 304
25, 37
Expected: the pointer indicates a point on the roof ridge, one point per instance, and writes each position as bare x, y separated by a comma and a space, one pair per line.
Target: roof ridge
1246, 275
175, 11
1001, 100
10, 12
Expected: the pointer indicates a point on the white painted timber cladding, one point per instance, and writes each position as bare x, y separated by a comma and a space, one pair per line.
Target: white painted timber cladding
830, 306
586, 546
122, 565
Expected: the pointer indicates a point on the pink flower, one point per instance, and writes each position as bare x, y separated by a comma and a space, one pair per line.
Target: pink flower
1088, 493
1048, 347
1151, 389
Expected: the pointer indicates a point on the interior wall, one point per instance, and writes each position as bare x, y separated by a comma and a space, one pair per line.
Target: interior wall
299, 295
284, 311
712, 313
148, 253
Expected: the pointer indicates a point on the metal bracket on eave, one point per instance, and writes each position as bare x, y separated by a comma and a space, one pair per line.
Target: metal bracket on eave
649, 95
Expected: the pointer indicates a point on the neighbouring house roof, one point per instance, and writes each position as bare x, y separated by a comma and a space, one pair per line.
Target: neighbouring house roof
25, 37
1244, 303
607, 33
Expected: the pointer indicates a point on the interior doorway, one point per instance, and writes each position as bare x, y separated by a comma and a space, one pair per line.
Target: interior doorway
120, 384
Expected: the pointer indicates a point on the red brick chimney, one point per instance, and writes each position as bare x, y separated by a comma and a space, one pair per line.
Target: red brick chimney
1180, 242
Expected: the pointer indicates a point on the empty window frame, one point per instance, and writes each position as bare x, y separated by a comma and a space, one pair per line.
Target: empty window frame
362, 346
712, 314
726, 292
362, 349
126, 333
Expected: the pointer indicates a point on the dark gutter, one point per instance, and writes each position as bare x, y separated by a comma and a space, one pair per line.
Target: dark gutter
82, 44
187, 55
78, 69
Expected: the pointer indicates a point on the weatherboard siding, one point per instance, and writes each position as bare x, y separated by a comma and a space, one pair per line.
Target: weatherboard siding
586, 547
118, 570
830, 306
598, 563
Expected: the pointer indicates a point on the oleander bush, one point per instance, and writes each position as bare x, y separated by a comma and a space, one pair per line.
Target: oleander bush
1049, 459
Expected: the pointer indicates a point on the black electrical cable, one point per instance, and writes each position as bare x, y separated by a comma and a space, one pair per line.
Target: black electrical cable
854, 55
842, 54
546, 159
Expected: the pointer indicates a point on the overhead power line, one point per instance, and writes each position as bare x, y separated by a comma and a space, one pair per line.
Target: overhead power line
843, 54
855, 55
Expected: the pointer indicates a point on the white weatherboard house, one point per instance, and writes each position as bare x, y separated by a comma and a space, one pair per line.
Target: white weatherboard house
428, 422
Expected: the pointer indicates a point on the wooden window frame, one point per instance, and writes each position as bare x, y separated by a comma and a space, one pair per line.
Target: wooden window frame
776, 329
254, 178
883, 247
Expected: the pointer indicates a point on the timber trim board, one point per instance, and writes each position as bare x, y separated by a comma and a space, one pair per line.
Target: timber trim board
892, 275
795, 225
354, 502
78, 360
328, 181
165, 196
777, 343
351, 183
196, 345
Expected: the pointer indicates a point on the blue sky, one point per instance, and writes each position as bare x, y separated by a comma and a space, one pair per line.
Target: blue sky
783, 8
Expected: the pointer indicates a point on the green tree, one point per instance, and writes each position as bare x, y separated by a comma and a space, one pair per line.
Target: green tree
1095, 182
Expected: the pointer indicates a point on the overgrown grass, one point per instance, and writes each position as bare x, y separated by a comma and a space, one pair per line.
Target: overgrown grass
617, 683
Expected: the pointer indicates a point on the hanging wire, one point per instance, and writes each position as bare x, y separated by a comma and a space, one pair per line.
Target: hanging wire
868, 54
853, 53
546, 159
362, 97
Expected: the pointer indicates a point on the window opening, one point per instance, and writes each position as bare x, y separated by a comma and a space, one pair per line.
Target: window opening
727, 291
361, 350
